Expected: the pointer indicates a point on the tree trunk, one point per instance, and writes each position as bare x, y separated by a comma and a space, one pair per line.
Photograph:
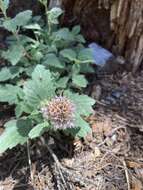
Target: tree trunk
115, 24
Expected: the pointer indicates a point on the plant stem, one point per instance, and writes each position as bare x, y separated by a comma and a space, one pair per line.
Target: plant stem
29, 161
49, 28
46, 11
47, 20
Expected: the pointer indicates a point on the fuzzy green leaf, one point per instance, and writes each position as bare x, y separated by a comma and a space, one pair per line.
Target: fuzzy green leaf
21, 108
87, 68
21, 19
16, 132
76, 30
82, 128
14, 54
63, 34
62, 82
33, 26
80, 38
53, 15
38, 130
10, 93
52, 60
69, 54
18, 111
83, 103
40, 88
37, 55
7, 73
9, 25
76, 69
85, 55
79, 81
4, 4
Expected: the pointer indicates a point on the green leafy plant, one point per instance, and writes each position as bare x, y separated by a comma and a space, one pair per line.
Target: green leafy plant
61, 50
45, 64
39, 108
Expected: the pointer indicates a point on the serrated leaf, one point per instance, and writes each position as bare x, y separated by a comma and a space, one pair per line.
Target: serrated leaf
18, 110
9, 25
23, 40
69, 54
10, 93
87, 68
82, 128
63, 34
21, 108
29, 69
79, 80
80, 38
7, 73
38, 130
83, 103
53, 15
40, 88
21, 19
62, 82
83, 131
85, 55
24, 127
14, 54
16, 132
52, 60
4, 4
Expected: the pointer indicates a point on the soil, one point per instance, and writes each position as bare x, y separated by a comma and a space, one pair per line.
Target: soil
109, 158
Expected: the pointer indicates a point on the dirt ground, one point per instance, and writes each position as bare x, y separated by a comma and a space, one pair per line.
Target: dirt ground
111, 158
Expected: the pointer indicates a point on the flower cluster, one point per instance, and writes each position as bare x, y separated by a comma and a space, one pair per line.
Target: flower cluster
60, 111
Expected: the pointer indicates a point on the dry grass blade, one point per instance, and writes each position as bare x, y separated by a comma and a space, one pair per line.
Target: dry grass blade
67, 175
127, 174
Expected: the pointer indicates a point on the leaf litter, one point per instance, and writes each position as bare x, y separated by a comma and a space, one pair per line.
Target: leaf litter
109, 158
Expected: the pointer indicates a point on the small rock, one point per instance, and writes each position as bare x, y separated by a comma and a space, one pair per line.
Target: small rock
110, 100
96, 92
116, 94
68, 162
107, 126
88, 138
114, 138
97, 152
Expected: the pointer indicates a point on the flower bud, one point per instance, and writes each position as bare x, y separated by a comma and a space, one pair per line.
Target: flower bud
60, 111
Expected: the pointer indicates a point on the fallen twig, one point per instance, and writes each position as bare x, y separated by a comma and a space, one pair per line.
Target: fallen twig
30, 164
58, 165
110, 135
127, 175
68, 175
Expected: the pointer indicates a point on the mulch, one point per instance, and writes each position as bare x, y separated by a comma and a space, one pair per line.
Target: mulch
109, 158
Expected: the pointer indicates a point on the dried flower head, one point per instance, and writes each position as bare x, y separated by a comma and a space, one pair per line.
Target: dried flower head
60, 111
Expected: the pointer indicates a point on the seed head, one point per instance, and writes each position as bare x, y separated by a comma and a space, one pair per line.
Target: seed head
60, 111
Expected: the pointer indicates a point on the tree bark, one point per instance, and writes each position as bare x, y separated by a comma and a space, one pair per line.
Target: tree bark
115, 24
